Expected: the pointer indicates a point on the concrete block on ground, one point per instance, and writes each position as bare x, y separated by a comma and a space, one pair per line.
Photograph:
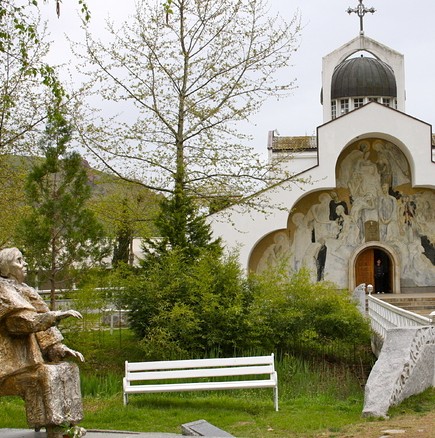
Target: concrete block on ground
203, 428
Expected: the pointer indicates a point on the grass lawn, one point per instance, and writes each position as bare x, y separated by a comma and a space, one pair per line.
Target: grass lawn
314, 399
244, 415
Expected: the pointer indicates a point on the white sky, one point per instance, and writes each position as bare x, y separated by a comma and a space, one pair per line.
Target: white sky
408, 29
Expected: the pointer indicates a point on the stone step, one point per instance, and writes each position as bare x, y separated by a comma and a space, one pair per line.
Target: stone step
414, 305
406, 300
410, 301
423, 311
422, 304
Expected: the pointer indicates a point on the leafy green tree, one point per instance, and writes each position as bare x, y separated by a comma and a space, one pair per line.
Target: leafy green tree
187, 298
27, 83
23, 98
190, 71
60, 233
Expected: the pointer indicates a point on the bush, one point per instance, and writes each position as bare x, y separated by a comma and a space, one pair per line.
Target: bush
290, 309
179, 308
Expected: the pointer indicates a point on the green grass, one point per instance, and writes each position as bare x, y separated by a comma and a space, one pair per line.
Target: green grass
247, 414
315, 397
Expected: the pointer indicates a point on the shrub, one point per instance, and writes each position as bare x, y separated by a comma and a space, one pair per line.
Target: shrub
180, 308
291, 309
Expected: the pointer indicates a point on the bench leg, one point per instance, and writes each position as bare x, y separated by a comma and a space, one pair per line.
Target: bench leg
125, 399
275, 396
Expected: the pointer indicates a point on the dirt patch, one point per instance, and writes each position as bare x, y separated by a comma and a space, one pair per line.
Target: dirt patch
409, 426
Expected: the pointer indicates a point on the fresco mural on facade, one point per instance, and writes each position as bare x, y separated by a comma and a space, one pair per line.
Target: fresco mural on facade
373, 201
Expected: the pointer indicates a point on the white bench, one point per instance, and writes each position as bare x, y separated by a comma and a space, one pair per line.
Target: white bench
191, 375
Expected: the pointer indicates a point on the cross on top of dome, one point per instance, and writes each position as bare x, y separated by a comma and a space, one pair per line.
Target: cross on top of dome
361, 10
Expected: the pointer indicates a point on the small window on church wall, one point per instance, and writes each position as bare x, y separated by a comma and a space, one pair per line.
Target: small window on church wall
373, 99
333, 109
386, 101
358, 102
344, 106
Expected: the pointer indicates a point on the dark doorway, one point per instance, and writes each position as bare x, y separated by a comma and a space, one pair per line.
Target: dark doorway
365, 269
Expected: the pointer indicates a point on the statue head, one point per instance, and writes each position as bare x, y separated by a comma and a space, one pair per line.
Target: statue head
12, 264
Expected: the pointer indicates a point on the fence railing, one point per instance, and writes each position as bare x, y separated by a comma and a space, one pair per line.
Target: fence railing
385, 316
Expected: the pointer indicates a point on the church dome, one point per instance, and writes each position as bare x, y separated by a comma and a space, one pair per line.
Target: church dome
363, 77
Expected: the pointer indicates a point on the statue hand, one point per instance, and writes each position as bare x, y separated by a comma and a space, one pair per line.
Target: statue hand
73, 353
66, 314
58, 351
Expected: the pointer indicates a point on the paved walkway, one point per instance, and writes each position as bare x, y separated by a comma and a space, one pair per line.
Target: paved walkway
22, 433
194, 428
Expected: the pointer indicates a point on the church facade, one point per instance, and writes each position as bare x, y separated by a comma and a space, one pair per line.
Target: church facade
368, 215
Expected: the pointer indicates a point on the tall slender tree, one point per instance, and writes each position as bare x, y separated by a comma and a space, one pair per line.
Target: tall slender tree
27, 86
60, 232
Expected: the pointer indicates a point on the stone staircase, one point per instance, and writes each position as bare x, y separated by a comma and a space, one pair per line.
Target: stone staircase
420, 303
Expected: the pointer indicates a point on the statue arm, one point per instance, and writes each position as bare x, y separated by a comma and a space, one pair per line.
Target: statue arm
24, 322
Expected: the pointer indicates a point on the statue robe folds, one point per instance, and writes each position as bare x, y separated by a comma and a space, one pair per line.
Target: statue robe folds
30, 346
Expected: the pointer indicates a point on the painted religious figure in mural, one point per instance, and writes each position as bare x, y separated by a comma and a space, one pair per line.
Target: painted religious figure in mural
275, 253
388, 217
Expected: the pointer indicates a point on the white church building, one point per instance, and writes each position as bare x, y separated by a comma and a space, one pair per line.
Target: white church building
372, 195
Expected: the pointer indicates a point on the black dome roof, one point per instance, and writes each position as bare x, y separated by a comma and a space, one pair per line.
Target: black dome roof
363, 77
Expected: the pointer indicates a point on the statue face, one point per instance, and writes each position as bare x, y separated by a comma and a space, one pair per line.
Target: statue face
17, 268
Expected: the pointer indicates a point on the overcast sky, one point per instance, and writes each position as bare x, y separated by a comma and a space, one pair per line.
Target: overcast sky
408, 29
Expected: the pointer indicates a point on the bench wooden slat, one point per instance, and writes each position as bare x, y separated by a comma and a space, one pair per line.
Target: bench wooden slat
203, 372
201, 386
198, 363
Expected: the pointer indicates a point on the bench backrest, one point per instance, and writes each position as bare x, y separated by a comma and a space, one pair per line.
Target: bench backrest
196, 368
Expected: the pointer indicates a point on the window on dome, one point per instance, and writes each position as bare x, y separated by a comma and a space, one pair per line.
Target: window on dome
358, 102
386, 101
373, 99
344, 106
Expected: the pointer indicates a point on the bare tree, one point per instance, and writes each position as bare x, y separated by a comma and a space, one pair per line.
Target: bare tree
184, 74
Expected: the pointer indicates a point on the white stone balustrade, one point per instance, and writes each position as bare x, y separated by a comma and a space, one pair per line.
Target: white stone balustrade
384, 316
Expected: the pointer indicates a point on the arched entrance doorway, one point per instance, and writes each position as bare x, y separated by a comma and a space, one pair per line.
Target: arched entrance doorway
377, 266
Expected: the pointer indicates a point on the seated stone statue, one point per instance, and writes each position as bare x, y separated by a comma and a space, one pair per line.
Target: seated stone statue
31, 352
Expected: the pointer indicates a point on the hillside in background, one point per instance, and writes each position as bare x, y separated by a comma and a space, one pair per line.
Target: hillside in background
122, 206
